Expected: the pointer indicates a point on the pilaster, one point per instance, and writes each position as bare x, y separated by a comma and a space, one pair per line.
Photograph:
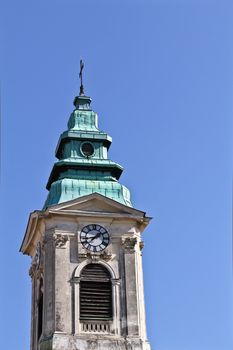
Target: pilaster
129, 244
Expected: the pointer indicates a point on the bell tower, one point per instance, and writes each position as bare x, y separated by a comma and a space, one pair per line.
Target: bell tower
85, 245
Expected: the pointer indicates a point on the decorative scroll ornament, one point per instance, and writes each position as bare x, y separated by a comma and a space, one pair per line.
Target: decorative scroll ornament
129, 243
60, 240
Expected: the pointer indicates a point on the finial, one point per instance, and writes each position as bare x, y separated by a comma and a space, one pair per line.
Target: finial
81, 101
81, 92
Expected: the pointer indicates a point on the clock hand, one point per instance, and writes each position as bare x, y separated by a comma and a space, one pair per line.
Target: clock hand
92, 238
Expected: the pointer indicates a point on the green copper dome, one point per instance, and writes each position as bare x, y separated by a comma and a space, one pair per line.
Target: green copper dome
83, 166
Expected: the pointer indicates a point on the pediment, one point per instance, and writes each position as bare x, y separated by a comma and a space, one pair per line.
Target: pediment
95, 203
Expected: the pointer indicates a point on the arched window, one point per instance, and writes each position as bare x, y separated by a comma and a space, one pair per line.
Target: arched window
95, 293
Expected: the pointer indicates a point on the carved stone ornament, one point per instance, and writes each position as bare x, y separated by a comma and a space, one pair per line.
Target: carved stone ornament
129, 243
93, 257
96, 257
60, 240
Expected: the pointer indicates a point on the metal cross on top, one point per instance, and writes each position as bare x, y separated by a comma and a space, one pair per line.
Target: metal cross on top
81, 78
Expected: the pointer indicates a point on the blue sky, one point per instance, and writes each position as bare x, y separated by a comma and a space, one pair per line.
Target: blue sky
160, 74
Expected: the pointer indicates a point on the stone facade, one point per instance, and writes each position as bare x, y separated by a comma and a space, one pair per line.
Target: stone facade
52, 240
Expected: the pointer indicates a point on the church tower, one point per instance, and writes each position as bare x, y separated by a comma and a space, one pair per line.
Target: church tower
85, 245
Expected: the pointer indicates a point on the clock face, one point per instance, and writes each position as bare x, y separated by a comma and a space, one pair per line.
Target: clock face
94, 238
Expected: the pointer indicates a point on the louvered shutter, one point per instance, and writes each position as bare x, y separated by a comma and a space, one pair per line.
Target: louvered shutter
95, 293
